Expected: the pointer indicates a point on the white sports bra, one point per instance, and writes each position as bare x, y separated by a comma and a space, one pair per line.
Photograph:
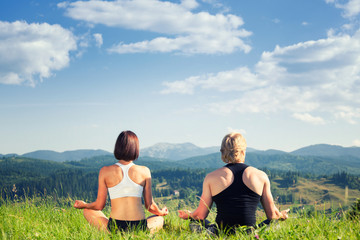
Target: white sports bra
126, 187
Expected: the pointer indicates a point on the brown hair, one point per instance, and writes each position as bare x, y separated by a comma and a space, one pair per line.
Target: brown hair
233, 148
127, 146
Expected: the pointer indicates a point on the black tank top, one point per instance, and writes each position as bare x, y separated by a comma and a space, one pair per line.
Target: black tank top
236, 205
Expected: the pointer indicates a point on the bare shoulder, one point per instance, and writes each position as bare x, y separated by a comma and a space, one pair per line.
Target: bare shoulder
218, 173
215, 173
252, 171
142, 170
106, 169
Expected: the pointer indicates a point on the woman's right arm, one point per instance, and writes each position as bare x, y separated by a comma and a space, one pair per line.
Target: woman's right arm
150, 204
202, 211
100, 202
267, 201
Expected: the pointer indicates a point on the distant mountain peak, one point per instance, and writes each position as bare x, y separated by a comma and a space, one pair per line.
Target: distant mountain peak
327, 150
176, 151
72, 155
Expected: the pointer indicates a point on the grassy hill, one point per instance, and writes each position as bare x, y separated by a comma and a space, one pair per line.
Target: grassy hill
49, 218
316, 192
52, 217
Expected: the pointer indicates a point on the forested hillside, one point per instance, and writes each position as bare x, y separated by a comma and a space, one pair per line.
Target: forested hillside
181, 179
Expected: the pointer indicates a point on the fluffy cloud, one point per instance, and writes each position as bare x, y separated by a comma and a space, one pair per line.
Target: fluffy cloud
351, 8
320, 76
306, 117
192, 33
31, 52
356, 142
240, 79
98, 39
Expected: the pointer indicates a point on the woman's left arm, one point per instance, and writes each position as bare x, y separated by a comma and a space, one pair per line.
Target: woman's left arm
100, 202
149, 202
204, 207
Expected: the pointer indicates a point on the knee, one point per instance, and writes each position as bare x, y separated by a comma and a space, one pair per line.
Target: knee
155, 221
86, 212
155, 218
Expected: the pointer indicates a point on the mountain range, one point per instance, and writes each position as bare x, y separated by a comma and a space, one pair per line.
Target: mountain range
175, 152
74, 155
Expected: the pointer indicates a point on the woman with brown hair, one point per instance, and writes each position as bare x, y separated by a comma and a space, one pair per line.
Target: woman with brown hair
126, 184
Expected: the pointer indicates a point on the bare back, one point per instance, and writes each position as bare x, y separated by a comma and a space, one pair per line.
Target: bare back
126, 208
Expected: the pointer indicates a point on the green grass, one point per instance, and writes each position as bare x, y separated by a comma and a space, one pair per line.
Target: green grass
49, 218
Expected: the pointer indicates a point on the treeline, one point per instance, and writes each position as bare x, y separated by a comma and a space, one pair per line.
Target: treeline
24, 177
187, 183
345, 180
61, 183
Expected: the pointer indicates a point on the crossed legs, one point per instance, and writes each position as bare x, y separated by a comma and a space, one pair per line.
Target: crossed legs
100, 221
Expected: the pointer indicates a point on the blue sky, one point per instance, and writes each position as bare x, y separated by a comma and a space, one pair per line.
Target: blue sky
73, 74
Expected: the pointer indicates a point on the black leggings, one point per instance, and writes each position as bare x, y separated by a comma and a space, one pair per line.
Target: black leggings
213, 229
114, 225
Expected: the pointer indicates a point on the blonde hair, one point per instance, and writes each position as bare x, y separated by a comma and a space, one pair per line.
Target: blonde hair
233, 147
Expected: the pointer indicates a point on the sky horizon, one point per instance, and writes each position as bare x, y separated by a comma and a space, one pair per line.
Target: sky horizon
74, 74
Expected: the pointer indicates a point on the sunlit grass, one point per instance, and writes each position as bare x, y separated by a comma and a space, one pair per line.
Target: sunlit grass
49, 218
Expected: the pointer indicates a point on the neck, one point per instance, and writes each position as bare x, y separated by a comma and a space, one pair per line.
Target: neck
123, 162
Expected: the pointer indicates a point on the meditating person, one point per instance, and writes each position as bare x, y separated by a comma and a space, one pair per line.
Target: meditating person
236, 190
127, 183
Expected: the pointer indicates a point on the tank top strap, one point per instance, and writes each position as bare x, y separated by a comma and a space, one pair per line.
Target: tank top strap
236, 168
125, 168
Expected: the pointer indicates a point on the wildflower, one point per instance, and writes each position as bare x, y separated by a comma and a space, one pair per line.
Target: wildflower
14, 190
257, 236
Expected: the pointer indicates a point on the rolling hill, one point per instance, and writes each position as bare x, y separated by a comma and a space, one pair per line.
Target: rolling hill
315, 159
326, 150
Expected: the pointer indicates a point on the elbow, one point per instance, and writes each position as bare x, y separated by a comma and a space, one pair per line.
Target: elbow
201, 216
197, 215
148, 205
99, 207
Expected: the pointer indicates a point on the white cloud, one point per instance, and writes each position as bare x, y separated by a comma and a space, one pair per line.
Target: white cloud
31, 52
350, 9
98, 39
347, 113
313, 77
356, 143
276, 20
241, 79
184, 87
306, 117
304, 23
189, 4
242, 131
192, 33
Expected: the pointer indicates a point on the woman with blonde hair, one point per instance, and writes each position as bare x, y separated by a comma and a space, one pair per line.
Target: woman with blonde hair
236, 189
126, 183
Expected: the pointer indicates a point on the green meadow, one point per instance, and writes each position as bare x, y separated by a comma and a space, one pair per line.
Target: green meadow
53, 218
